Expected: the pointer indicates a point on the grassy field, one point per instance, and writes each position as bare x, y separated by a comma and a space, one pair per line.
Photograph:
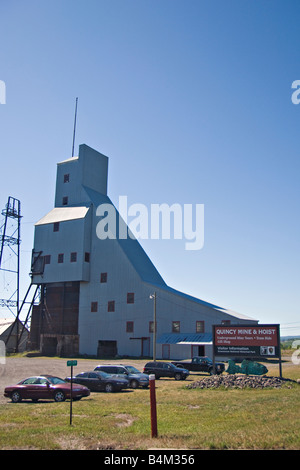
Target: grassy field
187, 419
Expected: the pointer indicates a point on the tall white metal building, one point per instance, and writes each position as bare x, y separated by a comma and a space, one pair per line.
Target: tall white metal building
99, 296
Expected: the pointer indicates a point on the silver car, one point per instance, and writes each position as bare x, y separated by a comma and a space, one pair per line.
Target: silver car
134, 376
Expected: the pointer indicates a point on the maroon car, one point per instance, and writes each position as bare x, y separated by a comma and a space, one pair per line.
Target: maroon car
45, 387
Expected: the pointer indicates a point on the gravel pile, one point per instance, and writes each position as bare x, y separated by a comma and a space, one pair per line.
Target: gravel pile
237, 381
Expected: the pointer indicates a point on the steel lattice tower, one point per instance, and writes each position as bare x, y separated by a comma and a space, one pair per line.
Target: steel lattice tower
10, 250
10, 241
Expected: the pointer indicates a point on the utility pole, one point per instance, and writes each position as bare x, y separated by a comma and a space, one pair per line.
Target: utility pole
153, 296
74, 127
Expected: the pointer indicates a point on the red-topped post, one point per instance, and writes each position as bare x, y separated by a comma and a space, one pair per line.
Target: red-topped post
153, 406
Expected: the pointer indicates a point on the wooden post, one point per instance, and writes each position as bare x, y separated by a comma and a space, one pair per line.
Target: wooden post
153, 406
71, 399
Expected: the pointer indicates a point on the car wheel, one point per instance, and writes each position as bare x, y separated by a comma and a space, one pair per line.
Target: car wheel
59, 396
134, 384
177, 376
16, 397
109, 388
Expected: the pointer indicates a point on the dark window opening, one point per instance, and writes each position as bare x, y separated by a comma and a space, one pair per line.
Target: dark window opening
73, 257
66, 178
47, 259
129, 327
151, 326
111, 306
175, 326
60, 258
86, 257
199, 326
56, 227
94, 306
130, 298
103, 277
65, 201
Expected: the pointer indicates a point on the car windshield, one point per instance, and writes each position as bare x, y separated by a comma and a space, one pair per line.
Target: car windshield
56, 380
102, 374
132, 370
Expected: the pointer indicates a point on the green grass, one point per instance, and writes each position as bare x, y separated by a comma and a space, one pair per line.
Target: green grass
187, 419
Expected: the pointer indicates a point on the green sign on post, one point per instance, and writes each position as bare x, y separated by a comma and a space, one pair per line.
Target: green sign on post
71, 364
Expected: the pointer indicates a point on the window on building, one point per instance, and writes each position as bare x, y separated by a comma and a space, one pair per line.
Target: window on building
151, 326
65, 201
130, 298
47, 259
225, 322
56, 227
129, 327
111, 306
73, 257
175, 326
67, 178
60, 258
86, 257
200, 326
94, 306
103, 277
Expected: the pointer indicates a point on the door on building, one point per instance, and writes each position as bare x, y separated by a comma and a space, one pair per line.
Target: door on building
198, 350
145, 347
49, 345
107, 349
166, 351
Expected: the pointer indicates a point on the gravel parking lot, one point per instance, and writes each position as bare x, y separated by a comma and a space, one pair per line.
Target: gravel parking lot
18, 368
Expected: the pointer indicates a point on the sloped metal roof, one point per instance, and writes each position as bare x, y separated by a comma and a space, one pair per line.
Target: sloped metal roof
182, 295
6, 323
185, 338
131, 247
62, 214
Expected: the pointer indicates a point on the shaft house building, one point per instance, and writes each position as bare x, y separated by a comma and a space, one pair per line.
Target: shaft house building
98, 296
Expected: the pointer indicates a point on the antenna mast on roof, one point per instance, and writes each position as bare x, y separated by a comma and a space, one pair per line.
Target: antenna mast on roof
74, 127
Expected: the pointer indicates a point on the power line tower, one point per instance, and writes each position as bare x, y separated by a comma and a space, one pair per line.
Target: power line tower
10, 259
10, 241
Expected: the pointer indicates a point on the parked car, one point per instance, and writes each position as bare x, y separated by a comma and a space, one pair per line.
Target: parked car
166, 369
98, 380
45, 387
201, 364
135, 377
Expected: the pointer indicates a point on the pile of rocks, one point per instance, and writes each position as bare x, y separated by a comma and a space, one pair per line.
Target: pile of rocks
237, 381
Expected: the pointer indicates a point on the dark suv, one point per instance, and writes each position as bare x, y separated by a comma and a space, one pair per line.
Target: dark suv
165, 369
135, 377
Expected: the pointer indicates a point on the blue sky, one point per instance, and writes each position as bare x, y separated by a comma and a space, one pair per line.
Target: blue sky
191, 102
